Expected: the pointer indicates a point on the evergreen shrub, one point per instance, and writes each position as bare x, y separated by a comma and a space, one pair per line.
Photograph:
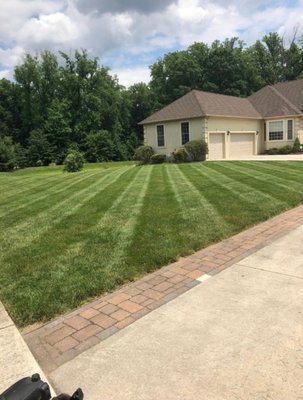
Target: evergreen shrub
297, 146
158, 158
143, 154
196, 149
73, 161
180, 155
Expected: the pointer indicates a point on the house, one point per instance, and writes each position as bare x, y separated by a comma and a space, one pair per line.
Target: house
233, 127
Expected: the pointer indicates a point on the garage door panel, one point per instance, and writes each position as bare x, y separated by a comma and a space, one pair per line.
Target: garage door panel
216, 146
241, 144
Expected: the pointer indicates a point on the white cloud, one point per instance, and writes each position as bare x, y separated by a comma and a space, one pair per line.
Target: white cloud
11, 56
55, 28
133, 32
129, 76
14, 13
6, 73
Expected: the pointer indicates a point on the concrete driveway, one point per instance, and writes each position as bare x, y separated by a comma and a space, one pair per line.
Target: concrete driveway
237, 335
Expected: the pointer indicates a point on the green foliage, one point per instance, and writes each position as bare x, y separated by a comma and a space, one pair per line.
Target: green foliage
272, 151
297, 146
196, 150
21, 156
57, 128
285, 149
143, 154
73, 162
180, 155
158, 158
7, 154
99, 147
39, 149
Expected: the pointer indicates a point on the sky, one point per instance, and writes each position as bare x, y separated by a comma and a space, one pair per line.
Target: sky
130, 35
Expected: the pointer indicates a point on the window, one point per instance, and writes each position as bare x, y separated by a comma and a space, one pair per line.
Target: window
264, 131
184, 132
290, 129
275, 130
160, 135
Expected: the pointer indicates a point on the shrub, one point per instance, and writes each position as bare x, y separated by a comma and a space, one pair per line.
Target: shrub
296, 147
39, 163
180, 155
196, 149
285, 149
158, 158
143, 154
73, 161
272, 151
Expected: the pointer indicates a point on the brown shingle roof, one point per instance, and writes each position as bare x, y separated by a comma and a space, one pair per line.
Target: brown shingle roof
293, 92
271, 101
200, 104
278, 100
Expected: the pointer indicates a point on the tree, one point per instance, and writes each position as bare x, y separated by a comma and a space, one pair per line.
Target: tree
173, 76
57, 129
140, 105
229, 69
99, 147
39, 150
275, 62
28, 78
7, 154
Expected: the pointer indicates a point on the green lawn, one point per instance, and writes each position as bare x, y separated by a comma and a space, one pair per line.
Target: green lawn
66, 238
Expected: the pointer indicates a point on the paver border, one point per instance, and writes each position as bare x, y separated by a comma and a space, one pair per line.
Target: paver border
64, 338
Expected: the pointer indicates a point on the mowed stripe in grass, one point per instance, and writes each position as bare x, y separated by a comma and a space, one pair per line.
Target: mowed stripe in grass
288, 169
159, 236
206, 222
34, 225
282, 176
63, 268
267, 186
39, 200
256, 199
282, 187
113, 226
26, 187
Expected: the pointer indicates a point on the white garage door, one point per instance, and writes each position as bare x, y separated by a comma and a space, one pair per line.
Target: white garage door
216, 146
241, 144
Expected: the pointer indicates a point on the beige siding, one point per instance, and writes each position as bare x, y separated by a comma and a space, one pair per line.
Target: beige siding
172, 134
241, 125
203, 127
300, 129
298, 132
233, 124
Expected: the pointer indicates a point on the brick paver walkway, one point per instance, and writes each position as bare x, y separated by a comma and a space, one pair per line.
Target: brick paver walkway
64, 338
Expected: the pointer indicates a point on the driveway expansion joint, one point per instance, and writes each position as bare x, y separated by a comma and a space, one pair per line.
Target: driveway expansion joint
59, 341
6, 326
269, 271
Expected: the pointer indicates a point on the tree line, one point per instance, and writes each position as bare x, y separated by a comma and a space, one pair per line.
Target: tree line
59, 102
